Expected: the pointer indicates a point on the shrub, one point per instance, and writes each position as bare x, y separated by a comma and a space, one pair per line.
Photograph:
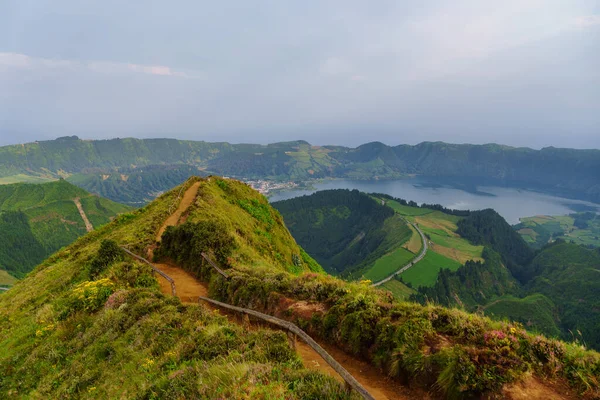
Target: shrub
108, 253
91, 295
187, 241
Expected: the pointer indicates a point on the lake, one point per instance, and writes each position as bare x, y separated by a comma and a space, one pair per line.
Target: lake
512, 204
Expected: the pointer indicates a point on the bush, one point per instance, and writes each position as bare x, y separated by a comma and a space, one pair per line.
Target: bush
108, 253
185, 243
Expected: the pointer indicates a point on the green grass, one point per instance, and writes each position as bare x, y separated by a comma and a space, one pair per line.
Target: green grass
6, 279
407, 210
425, 272
537, 312
388, 264
22, 178
398, 289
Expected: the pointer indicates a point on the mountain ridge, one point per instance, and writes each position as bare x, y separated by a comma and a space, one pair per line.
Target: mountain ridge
567, 172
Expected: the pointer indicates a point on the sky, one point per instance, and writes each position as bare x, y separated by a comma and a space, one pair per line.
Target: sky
516, 72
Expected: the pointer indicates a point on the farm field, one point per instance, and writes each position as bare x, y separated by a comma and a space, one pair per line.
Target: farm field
398, 289
388, 264
579, 228
414, 244
425, 272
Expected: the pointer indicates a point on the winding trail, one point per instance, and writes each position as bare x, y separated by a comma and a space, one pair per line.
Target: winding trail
88, 225
413, 261
186, 201
189, 289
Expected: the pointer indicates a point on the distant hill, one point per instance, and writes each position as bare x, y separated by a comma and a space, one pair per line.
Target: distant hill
38, 219
133, 186
346, 231
567, 172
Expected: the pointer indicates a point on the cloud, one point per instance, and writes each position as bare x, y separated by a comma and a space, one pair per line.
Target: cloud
23, 61
586, 21
15, 60
156, 70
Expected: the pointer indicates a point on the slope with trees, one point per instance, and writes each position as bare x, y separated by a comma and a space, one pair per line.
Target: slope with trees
38, 219
348, 232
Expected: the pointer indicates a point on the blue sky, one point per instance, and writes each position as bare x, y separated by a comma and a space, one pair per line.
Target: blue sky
518, 72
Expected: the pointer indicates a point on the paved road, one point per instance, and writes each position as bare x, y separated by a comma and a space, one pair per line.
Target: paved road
414, 260
4, 288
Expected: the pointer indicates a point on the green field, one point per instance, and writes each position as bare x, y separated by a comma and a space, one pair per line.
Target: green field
388, 264
398, 289
407, 210
425, 272
541, 229
6, 279
22, 178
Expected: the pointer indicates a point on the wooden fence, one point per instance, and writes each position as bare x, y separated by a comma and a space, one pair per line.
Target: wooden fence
158, 271
351, 382
219, 270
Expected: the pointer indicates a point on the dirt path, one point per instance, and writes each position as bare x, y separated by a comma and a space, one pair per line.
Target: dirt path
86, 221
188, 198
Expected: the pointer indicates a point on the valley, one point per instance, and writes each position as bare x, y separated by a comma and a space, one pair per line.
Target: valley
150, 342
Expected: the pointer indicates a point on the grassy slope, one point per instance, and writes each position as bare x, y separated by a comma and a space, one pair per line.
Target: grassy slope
537, 312
52, 217
447, 249
425, 272
398, 289
261, 237
135, 348
6, 279
57, 343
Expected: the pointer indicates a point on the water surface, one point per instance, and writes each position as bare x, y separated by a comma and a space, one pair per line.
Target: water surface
511, 203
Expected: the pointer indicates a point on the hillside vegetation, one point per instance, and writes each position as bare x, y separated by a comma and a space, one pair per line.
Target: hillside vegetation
568, 172
38, 219
133, 186
580, 228
553, 290
89, 323
348, 232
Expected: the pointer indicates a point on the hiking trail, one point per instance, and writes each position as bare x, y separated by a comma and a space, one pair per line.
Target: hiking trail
189, 289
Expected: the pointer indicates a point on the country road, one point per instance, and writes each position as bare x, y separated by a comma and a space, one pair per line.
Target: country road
411, 263
4, 288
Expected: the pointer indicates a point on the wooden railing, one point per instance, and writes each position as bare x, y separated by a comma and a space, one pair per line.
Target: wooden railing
219, 270
158, 271
351, 382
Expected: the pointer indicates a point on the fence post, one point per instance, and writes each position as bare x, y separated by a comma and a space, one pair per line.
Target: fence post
291, 339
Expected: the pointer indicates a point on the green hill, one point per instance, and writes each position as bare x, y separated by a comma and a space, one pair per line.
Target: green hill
38, 219
348, 232
567, 172
133, 186
91, 323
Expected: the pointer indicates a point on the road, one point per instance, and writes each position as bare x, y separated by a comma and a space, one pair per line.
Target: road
414, 260
4, 288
